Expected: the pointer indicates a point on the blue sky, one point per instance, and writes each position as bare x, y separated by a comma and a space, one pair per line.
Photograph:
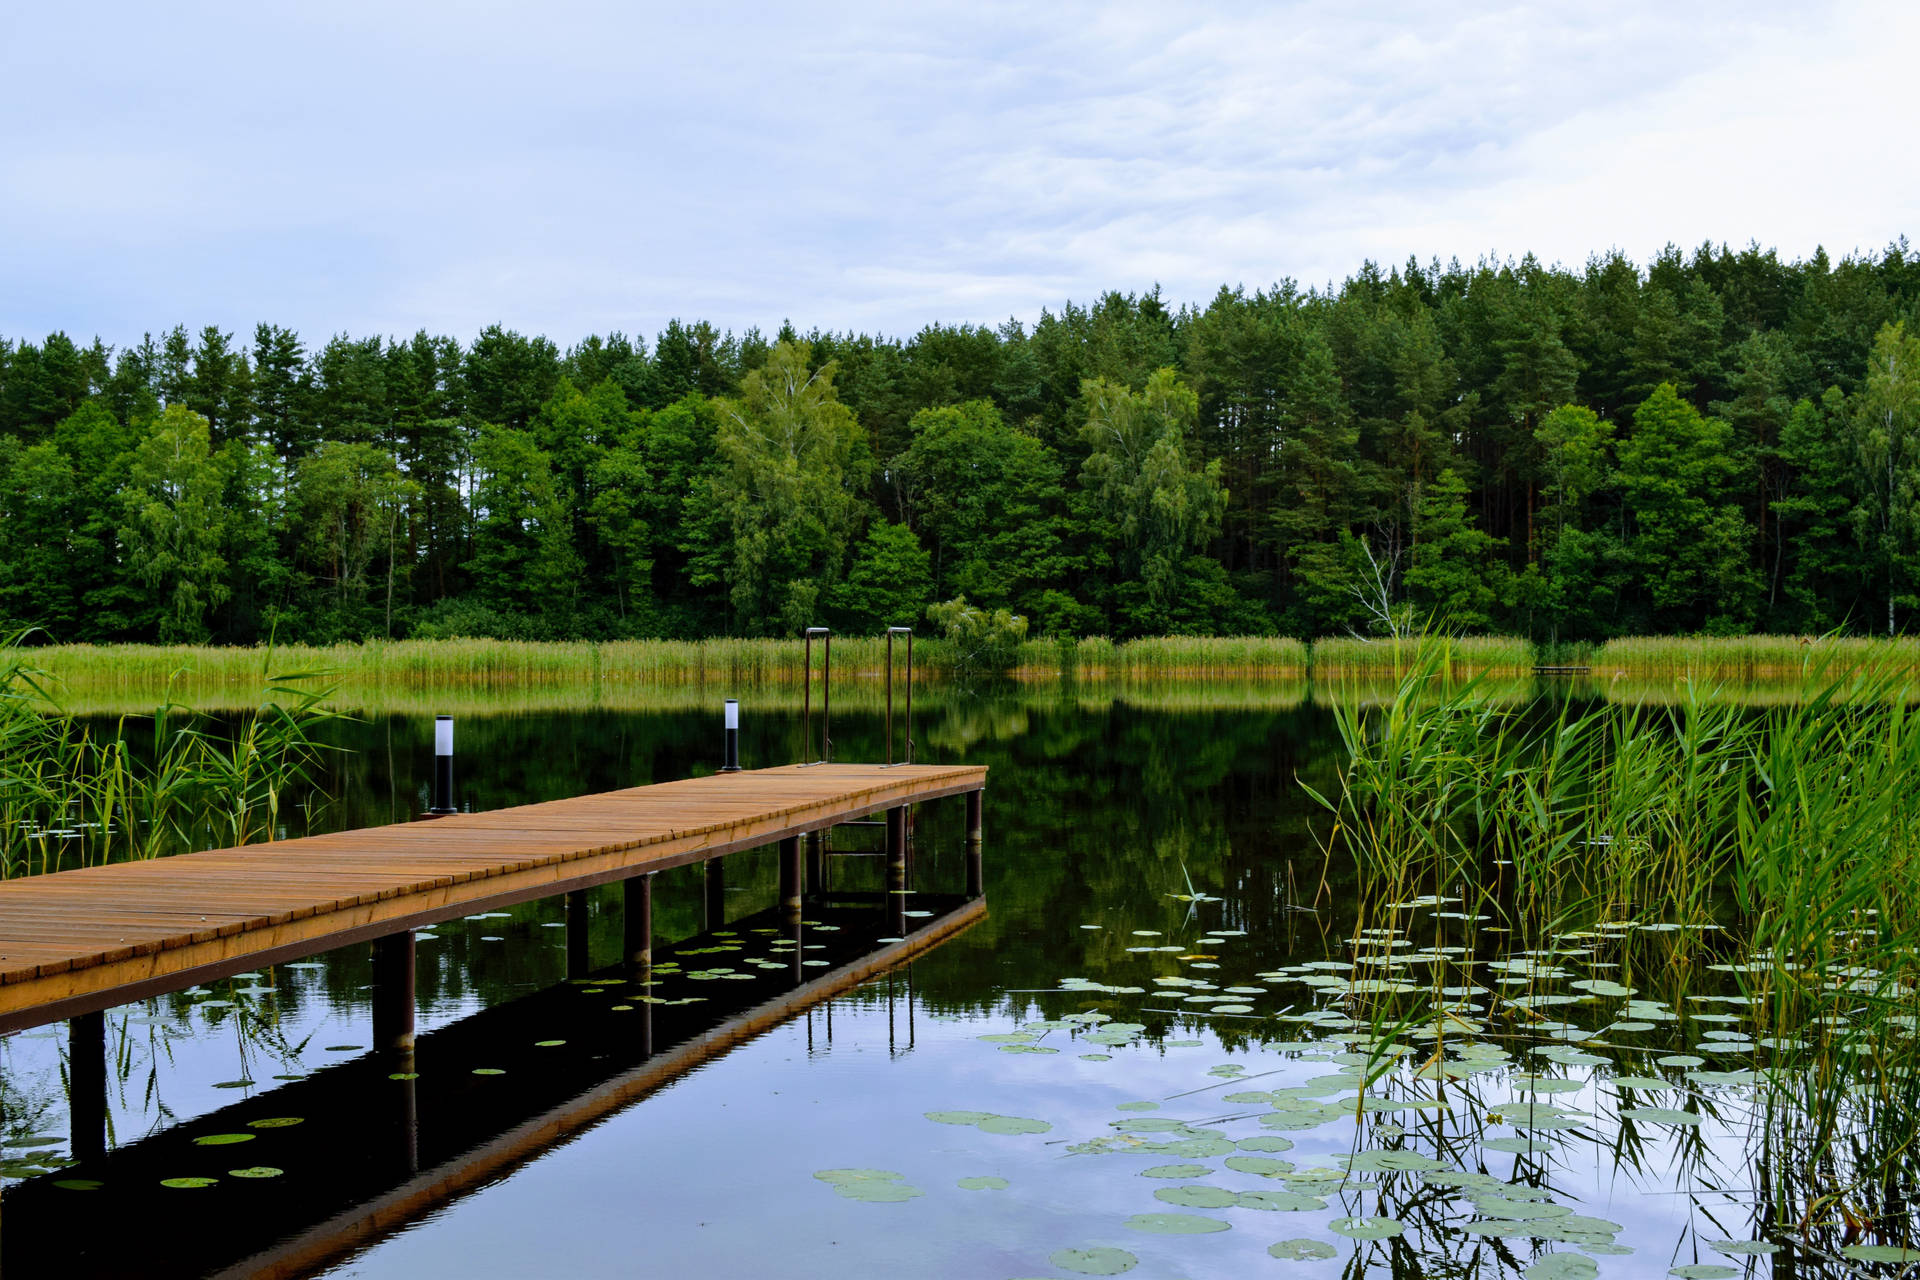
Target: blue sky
572, 168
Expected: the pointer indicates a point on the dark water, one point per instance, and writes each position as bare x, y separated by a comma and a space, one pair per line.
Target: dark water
1109, 827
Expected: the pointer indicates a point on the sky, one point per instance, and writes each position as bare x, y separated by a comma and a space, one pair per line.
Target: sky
574, 168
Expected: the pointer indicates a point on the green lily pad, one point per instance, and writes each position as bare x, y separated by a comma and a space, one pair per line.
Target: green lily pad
1367, 1228
187, 1183
1137, 1106
1302, 1250
1098, 1261
548, 1044
1012, 1125
1265, 1142
403, 1075
222, 1139
1563, 1266
1176, 1171
488, 1071
879, 1186
1280, 1201
1175, 1224
1196, 1196
79, 1184
256, 1171
1264, 1166
1704, 1271
1640, 1082
968, 1118
276, 1122
987, 1183
1744, 1248
1879, 1253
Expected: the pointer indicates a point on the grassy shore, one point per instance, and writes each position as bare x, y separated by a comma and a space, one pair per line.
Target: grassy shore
643, 672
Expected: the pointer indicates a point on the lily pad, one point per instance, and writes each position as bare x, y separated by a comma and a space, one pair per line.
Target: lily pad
987, 1183
1704, 1271
1013, 1125
1879, 1253
1744, 1248
1175, 1224
185, 1184
1302, 1250
1280, 1201
959, 1117
1098, 1261
1563, 1266
1176, 1171
79, 1184
256, 1171
1367, 1228
276, 1122
1196, 1196
222, 1139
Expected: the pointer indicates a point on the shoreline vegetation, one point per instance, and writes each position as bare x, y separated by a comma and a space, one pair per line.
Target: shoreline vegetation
586, 673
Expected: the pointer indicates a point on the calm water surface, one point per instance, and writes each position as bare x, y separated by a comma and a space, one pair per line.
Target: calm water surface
1124, 844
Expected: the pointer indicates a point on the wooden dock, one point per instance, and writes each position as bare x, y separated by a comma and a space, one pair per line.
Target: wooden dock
76, 942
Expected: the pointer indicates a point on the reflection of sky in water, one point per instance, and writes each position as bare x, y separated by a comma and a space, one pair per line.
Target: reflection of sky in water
1096, 812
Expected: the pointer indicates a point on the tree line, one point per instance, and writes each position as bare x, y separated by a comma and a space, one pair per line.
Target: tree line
1720, 441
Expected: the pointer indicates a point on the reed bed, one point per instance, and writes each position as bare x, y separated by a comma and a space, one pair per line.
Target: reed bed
1682, 842
73, 794
1739, 658
1461, 656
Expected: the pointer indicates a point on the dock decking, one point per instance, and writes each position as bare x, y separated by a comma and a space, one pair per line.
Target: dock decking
78, 941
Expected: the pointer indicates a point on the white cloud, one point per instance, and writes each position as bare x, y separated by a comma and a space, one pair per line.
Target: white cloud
579, 167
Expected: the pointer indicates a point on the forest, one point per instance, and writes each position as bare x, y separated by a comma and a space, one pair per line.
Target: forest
1718, 442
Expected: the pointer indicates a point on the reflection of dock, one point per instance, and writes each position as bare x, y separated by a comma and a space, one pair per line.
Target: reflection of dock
75, 943
371, 1153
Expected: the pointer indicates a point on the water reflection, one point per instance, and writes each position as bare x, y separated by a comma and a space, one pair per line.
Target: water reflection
324, 1163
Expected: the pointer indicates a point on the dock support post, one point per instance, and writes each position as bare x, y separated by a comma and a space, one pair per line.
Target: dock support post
639, 922
716, 883
897, 868
790, 873
817, 863
976, 880
393, 992
87, 1084
579, 953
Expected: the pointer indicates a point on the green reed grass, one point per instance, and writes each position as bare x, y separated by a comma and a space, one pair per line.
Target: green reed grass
74, 794
1717, 658
1782, 845
1459, 656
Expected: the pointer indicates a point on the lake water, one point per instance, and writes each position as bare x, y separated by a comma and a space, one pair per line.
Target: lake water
1137, 1061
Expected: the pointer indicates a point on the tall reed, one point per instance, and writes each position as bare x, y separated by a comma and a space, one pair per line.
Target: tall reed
1782, 845
73, 795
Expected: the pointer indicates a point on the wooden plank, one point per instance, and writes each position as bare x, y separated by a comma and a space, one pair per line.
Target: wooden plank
96, 936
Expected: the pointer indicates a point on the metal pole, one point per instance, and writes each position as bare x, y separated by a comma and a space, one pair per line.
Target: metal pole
806, 699
908, 633
826, 697
896, 892
732, 719
442, 767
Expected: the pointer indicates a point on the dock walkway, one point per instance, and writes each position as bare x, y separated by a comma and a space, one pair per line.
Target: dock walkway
75, 942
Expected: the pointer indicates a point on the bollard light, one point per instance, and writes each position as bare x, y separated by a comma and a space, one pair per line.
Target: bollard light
733, 737
442, 767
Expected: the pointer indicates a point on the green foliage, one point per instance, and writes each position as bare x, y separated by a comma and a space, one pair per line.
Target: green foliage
1710, 441
1161, 502
796, 462
981, 642
890, 584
